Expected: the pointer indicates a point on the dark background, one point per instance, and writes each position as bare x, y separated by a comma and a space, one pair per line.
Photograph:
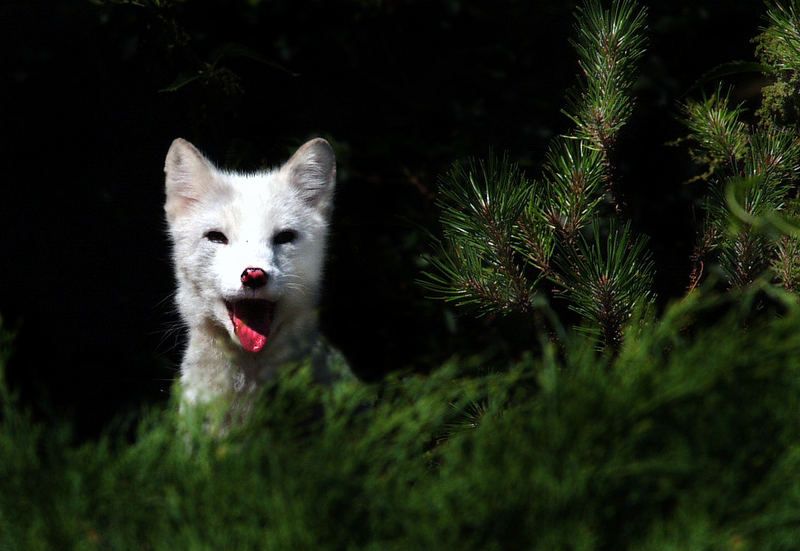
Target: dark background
93, 94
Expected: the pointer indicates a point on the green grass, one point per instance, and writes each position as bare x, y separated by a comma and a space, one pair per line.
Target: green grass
688, 439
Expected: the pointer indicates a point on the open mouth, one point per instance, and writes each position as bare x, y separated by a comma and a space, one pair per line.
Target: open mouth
251, 320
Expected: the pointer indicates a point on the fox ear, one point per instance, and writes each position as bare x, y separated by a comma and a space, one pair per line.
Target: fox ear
312, 171
189, 177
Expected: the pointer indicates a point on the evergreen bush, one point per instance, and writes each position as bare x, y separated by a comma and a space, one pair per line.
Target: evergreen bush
752, 166
687, 439
508, 239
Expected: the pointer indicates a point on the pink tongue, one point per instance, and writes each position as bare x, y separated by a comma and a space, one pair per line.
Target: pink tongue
251, 322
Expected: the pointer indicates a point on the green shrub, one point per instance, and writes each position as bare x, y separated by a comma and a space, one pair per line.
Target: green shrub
687, 439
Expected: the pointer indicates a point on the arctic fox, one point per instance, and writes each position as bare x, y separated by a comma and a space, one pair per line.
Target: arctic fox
248, 251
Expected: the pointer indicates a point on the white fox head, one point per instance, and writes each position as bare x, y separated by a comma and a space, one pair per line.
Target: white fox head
248, 248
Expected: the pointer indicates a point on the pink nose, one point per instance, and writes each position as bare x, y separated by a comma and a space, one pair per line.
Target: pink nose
254, 278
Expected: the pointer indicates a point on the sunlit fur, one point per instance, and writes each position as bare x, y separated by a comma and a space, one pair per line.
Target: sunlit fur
249, 209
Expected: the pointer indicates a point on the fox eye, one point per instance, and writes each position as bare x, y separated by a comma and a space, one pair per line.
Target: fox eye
284, 236
216, 237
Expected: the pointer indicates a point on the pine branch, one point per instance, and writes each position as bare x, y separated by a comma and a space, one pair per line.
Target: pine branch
481, 202
754, 170
786, 264
503, 234
720, 139
607, 281
774, 155
743, 258
783, 36
460, 276
609, 44
778, 49
535, 235
575, 176
744, 250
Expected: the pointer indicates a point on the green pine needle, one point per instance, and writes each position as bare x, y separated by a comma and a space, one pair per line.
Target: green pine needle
503, 234
609, 44
783, 36
774, 155
535, 233
607, 280
575, 176
477, 263
719, 138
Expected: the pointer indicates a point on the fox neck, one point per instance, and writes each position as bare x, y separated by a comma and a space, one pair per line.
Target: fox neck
214, 366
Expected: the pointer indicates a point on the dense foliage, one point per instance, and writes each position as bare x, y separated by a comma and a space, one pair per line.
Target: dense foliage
752, 168
688, 439
507, 238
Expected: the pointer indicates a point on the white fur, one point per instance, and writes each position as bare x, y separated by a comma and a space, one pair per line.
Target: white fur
249, 209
